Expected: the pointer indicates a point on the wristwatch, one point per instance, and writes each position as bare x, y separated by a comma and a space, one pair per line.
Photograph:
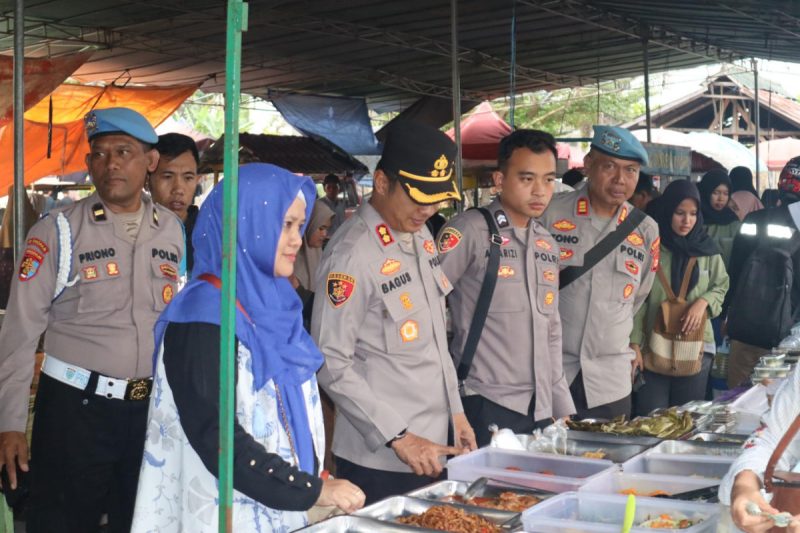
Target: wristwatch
397, 437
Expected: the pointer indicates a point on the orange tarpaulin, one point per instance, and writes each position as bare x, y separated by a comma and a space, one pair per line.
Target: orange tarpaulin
42, 76
70, 103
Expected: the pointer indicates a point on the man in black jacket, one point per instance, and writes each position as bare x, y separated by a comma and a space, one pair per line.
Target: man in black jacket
763, 232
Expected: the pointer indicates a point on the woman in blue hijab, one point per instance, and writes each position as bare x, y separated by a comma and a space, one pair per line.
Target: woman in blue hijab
278, 436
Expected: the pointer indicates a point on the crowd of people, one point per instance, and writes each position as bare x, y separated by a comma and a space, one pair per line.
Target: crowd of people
604, 301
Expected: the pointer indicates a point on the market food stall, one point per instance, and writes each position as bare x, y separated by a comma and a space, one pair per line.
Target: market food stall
578, 476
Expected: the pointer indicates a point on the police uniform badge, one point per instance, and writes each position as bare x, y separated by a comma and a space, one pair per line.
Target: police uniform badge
90, 123
167, 293
448, 240
564, 225
384, 234
429, 247
655, 252
501, 218
390, 266
30, 264
505, 271
610, 141
340, 288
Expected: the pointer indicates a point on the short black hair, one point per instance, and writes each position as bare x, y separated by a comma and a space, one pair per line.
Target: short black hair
536, 141
572, 177
331, 178
171, 145
645, 183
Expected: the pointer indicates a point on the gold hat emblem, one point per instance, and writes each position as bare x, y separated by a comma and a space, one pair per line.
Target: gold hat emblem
440, 167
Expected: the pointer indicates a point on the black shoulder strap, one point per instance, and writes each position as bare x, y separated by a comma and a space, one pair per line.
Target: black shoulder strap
484, 297
602, 248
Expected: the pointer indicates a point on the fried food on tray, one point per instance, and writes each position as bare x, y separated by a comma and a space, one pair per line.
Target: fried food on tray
505, 501
444, 518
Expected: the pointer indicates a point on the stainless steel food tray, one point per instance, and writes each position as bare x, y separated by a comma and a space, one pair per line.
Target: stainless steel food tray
443, 489
698, 447
391, 509
723, 438
359, 524
612, 438
615, 449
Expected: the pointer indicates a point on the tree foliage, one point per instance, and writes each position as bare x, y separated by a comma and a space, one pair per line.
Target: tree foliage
574, 111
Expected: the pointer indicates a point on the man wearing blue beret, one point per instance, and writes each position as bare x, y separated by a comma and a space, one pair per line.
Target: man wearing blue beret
94, 275
609, 255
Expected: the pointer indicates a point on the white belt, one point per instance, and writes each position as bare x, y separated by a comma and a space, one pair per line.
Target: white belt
78, 377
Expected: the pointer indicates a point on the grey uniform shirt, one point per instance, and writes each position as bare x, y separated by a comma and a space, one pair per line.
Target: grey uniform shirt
379, 320
104, 322
597, 309
519, 350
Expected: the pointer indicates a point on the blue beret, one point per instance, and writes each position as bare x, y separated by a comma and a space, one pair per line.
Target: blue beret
119, 120
619, 142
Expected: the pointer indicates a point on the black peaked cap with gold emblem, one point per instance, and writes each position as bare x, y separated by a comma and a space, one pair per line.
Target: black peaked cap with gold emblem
421, 158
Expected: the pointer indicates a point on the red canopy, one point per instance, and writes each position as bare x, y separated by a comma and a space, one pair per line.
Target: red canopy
481, 132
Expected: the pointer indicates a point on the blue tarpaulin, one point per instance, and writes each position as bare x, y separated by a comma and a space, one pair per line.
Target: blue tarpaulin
342, 121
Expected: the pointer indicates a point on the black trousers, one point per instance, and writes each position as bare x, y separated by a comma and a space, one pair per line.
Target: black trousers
85, 459
666, 391
606, 411
481, 412
380, 484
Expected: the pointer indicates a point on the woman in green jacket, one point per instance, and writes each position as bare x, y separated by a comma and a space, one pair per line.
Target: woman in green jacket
680, 224
720, 221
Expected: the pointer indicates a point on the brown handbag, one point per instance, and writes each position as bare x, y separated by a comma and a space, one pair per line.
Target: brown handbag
668, 351
784, 486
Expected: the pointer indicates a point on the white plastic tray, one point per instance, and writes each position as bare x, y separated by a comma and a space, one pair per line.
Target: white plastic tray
680, 466
644, 484
568, 473
574, 512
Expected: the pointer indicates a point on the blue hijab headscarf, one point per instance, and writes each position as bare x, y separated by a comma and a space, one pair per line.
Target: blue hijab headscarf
281, 348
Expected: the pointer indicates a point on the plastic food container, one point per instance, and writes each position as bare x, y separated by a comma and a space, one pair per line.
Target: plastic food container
707, 468
774, 359
644, 484
550, 473
688, 447
771, 371
587, 512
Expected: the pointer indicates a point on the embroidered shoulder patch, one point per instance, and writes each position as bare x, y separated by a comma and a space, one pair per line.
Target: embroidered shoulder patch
627, 291
38, 243
29, 266
340, 288
448, 240
168, 270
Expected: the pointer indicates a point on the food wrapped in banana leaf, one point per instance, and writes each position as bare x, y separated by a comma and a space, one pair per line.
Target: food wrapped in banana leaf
669, 424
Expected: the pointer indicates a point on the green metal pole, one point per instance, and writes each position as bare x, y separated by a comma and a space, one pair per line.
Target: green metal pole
237, 23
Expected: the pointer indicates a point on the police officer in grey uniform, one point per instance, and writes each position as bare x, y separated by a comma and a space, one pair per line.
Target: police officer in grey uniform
381, 325
597, 309
516, 379
95, 275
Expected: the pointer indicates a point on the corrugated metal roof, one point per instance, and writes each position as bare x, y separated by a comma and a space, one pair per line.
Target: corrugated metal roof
392, 51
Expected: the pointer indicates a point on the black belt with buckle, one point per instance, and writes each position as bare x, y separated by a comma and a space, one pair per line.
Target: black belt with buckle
139, 389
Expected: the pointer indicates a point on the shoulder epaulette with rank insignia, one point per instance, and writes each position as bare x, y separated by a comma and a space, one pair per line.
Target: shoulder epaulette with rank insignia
99, 212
